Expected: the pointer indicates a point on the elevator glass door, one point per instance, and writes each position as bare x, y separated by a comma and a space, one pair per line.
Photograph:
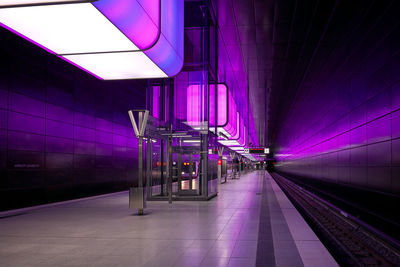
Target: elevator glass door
157, 181
189, 181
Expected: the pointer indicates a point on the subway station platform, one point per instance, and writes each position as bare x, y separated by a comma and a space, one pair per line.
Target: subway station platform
225, 231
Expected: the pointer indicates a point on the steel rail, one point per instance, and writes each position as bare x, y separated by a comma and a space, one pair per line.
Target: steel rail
350, 242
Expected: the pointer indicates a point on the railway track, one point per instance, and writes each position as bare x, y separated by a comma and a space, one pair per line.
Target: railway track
351, 242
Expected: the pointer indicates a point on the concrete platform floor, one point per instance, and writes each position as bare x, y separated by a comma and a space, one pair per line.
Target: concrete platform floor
221, 232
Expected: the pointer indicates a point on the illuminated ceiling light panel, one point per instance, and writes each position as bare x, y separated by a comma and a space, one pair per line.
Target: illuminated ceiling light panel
228, 142
119, 65
240, 138
7, 3
222, 97
227, 115
194, 106
191, 141
226, 110
111, 39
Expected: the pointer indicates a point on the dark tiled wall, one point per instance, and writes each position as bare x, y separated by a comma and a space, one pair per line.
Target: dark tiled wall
63, 133
345, 127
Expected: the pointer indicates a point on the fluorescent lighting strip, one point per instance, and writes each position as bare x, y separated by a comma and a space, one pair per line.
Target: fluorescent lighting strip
6, 3
80, 34
118, 65
237, 148
191, 141
67, 29
222, 130
229, 142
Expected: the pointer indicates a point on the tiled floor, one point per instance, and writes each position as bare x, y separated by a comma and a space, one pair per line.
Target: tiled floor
105, 232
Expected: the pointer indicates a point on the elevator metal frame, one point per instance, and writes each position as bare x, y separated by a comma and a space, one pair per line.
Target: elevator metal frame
170, 145
174, 191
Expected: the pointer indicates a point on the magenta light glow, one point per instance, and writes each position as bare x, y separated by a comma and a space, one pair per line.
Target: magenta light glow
156, 101
194, 105
110, 39
226, 111
222, 98
5, 3
239, 139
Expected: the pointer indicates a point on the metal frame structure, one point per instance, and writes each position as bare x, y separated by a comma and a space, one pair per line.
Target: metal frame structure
137, 194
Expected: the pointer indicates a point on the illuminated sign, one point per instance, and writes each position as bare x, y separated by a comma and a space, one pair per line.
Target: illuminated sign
261, 150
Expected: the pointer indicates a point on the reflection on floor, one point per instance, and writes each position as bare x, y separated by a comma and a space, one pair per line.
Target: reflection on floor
105, 232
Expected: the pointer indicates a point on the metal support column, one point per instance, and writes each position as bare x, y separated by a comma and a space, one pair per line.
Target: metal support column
169, 169
233, 155
191, 172
220, 152
137, 194
140, 166
179, 167
240, 165
162, 159
204, 164
149, 161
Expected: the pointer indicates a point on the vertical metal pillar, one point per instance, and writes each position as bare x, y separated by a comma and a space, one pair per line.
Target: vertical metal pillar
233, 171
169, 169
149, 161
191, 171
140, 162
137, 194
180, 166
240, 165
204, 164
162, 160
220, 152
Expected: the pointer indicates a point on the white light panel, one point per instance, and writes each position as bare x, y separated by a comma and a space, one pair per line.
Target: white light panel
236, 148
125, 65
222, 130
66, 28
33, 2
191, 141
229, 142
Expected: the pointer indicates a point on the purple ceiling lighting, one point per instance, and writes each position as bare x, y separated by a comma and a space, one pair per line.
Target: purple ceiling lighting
156, 101
233, 134
227, 110
110, 39
194, 106
222, 96
231, 128
239, 138
238, 143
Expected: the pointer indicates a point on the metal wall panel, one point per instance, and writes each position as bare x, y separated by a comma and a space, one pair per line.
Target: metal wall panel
63, 133
360, 147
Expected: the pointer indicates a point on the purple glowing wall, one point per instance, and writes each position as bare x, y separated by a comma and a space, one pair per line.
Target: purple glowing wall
63, 134
346, 128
